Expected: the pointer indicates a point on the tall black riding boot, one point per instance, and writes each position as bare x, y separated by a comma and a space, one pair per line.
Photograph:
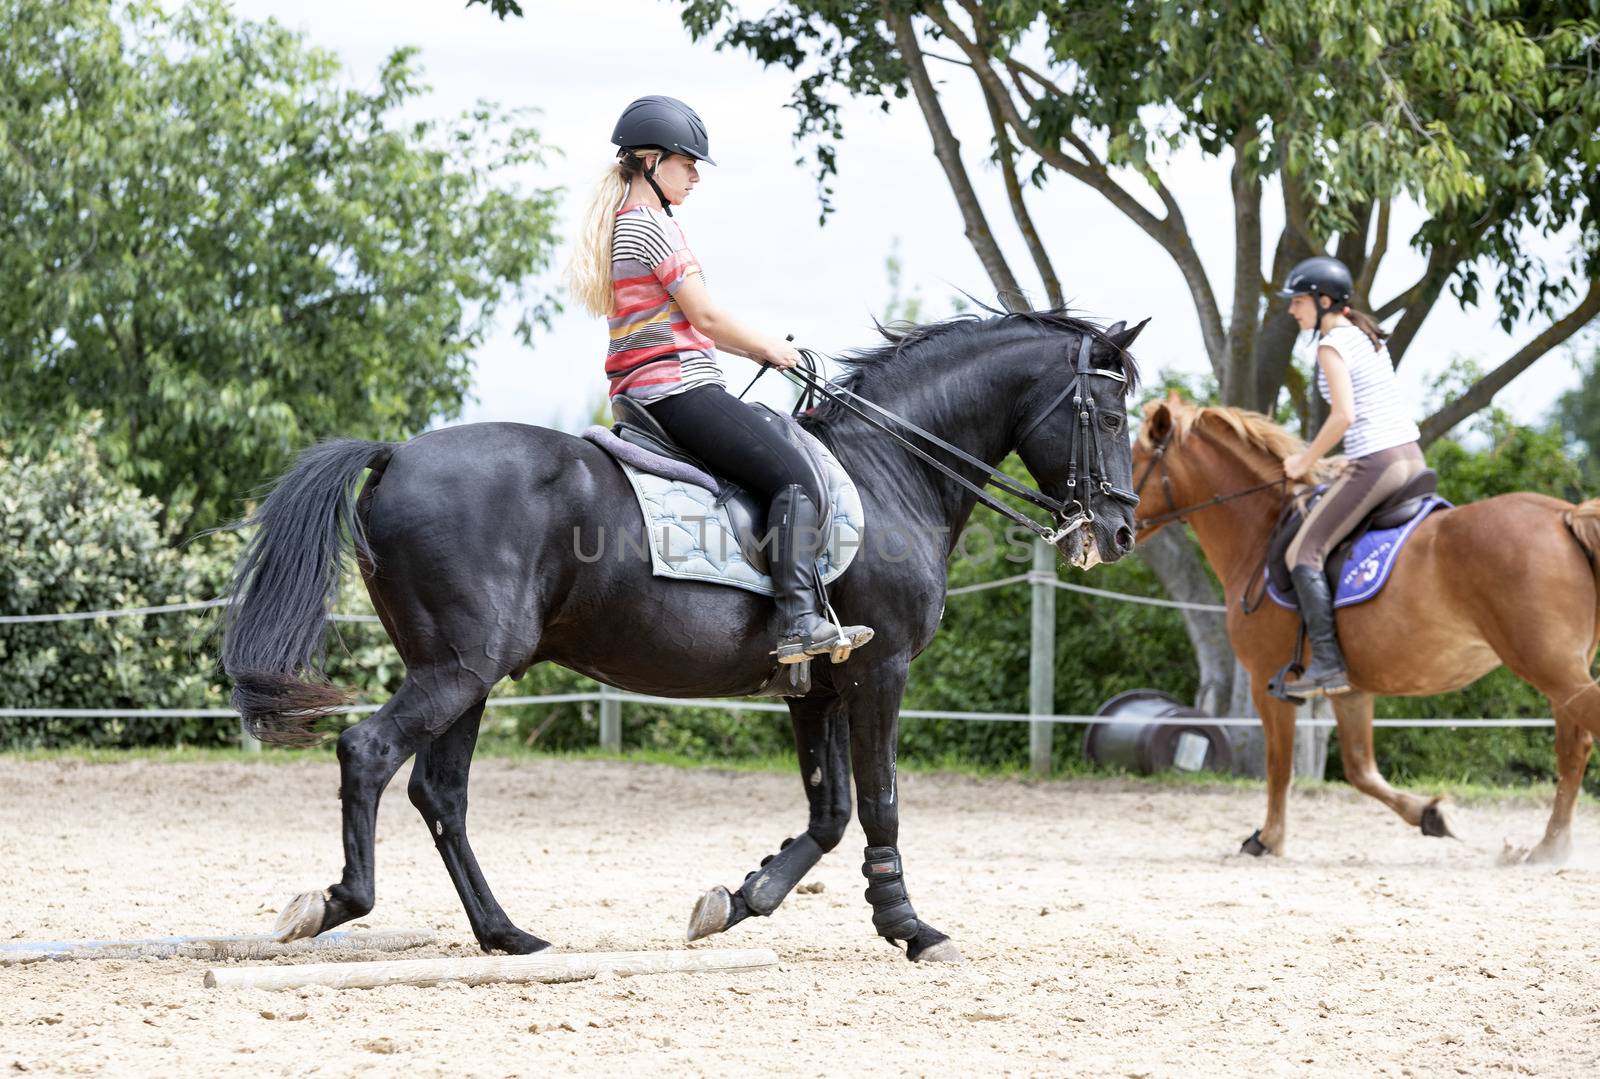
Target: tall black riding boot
807, 631
1326, 675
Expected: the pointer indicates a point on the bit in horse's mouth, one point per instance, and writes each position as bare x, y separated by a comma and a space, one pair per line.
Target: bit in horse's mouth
1088, 552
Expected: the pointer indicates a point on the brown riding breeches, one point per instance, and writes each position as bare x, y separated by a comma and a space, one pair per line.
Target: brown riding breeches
1360, 488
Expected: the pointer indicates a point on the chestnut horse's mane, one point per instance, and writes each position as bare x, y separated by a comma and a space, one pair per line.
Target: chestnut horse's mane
1252, 428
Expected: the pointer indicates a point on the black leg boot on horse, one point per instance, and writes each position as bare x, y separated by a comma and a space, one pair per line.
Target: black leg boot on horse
809, 628
1326, 675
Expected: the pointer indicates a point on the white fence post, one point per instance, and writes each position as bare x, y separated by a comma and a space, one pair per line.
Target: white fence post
1042, 658
610, 720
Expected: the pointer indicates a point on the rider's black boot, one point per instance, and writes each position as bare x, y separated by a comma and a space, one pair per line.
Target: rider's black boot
1326, 675
792, 521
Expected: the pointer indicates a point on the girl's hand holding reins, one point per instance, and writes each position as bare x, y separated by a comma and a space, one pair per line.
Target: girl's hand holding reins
779, 354
1297, 465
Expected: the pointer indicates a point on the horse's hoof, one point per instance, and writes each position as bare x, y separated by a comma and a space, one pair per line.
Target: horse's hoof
513, 942
945, 951
1547, 853
711, 914
301, 918
1433, 821
1253, 846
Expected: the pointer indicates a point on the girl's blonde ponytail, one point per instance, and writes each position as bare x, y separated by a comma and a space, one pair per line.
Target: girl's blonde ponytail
589, 275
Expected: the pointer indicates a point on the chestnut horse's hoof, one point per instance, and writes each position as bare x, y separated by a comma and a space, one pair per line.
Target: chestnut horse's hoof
1433, 820
302, 917
712, 914
1253, 846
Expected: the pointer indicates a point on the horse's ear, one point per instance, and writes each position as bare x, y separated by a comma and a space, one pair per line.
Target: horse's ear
1122, 337
1158, 420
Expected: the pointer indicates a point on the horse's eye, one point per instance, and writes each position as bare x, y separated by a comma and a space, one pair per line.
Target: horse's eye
1113, 421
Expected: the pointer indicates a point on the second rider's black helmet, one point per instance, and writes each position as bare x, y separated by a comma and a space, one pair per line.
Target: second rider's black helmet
1320, 275
664, 123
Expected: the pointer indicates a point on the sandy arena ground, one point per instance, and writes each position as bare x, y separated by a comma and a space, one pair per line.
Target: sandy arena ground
1109, 930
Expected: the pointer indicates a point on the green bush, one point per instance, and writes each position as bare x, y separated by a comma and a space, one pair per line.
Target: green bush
74, 539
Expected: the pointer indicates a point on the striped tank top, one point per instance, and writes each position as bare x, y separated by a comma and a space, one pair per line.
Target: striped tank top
655, 351
1383, 414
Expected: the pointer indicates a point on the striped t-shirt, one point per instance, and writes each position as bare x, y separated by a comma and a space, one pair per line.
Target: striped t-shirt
1383, 418
655, 351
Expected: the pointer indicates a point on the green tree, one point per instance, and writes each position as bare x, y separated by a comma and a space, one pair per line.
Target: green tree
229, 255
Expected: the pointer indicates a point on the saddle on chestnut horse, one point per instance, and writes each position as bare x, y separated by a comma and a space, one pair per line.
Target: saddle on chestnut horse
1358, 567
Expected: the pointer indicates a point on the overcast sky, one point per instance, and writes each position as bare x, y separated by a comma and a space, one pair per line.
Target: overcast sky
753, 219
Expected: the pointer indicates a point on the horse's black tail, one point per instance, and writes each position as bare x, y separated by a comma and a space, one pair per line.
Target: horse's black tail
287, 576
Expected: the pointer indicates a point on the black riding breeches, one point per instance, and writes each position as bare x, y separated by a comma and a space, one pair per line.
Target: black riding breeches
745, 444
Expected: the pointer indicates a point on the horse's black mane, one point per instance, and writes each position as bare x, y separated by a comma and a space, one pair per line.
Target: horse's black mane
900, 338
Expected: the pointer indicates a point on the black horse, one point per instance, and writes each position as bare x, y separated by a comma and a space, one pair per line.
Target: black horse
467, 538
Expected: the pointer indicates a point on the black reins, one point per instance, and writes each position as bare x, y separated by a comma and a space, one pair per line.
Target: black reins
1071, 514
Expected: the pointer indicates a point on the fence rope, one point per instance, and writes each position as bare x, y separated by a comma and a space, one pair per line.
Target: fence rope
164, 608
595, 696
1056, 582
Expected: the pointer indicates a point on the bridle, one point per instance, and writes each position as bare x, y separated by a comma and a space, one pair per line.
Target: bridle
1085, 460
1158, 456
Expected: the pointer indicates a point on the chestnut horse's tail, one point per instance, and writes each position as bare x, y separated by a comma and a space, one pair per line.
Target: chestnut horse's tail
1583, 521
281, 589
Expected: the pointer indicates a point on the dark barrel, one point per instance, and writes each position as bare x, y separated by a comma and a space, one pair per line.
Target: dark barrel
1148, 731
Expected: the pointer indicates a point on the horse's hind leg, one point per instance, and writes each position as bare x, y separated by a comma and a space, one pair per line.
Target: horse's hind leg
1574, 722
1361, 767
1541, 653
370, 753
438, 789
822, 742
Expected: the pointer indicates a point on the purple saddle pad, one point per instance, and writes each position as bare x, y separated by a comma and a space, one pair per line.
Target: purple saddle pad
1370, 560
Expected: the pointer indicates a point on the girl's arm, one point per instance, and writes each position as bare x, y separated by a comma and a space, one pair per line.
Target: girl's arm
1341, 413
729, 333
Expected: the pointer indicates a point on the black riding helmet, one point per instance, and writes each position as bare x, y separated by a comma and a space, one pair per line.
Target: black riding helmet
1320, 275
662, 123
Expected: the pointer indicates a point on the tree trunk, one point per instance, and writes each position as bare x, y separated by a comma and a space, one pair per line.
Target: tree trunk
1178, 564
948, 151
1275, 340
1244, 320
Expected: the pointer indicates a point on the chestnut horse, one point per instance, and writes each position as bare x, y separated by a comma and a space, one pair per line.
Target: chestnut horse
1509, 580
